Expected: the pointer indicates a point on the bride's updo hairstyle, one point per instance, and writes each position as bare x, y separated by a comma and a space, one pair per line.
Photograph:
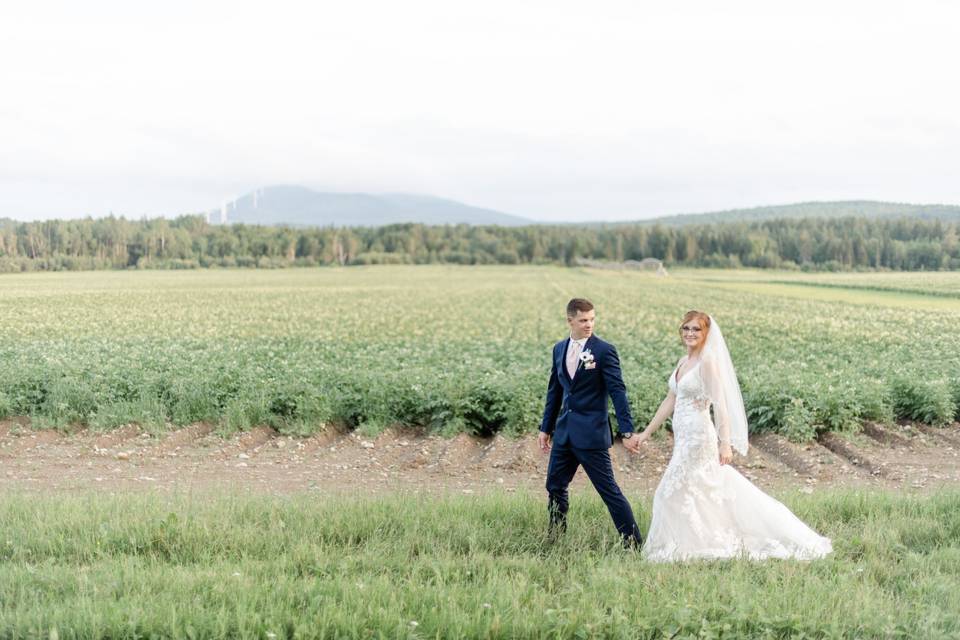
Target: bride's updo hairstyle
698, 315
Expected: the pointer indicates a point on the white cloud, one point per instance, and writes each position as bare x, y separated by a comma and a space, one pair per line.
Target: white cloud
556, 110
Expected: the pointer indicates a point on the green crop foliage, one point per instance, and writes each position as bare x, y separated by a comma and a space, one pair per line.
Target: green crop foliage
453, 349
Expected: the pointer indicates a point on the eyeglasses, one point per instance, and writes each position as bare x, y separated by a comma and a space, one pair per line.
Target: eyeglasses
687, 329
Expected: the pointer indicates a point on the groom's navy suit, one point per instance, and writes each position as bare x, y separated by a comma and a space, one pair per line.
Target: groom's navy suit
577, 417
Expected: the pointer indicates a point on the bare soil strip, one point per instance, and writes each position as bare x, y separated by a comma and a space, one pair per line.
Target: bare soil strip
786, 452
884, 435
946, 435
337, 461
181, 438
841, 447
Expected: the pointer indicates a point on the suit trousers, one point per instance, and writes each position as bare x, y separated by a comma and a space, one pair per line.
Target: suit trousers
564, 461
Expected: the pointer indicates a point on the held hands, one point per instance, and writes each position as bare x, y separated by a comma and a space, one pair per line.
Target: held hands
633, 444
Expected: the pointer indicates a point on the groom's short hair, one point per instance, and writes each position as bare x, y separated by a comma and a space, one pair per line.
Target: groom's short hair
578, 304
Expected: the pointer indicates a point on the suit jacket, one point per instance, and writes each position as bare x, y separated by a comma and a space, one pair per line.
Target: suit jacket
576, 410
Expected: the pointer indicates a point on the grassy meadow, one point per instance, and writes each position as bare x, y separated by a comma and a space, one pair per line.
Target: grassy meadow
459, 348
235, 566
456, 349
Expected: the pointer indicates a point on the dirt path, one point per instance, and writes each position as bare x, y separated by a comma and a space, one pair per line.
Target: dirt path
913, 457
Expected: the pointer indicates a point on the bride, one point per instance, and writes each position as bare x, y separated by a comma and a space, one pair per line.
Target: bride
703, 507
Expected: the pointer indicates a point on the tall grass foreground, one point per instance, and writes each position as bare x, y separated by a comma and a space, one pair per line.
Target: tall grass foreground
232, 566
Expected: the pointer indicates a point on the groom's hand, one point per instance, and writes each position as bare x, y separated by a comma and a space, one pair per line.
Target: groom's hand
544, 441
633, 444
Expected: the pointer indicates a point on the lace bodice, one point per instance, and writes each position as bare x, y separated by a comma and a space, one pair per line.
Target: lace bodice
690, 391
694, 435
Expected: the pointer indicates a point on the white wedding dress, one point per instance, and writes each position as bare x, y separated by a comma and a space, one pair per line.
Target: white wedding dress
703, 509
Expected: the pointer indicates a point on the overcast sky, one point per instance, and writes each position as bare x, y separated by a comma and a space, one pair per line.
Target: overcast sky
553, 110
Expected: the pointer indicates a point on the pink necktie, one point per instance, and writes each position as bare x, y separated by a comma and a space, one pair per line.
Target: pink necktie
573, 354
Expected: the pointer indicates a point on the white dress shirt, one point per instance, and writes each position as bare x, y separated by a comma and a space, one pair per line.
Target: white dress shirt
574, 349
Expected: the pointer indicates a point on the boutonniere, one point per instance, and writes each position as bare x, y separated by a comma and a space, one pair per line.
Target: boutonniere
586, 359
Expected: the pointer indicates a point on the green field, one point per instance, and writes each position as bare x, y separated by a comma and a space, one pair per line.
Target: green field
459, 348
195, 566
456, 349
925, 283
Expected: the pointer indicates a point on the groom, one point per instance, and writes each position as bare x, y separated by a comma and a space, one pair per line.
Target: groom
585, 370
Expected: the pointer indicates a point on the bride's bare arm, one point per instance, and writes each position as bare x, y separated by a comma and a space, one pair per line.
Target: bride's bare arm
664, 412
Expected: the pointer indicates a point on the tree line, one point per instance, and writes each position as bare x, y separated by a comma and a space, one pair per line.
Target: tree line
190, 242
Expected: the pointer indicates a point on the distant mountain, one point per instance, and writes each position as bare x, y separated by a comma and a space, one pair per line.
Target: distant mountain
303, 207
854, 208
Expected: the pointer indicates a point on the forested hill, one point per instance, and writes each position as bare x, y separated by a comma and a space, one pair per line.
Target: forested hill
191, 242
846, 209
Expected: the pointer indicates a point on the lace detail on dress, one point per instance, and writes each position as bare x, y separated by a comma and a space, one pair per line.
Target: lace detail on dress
703, 509
695, 439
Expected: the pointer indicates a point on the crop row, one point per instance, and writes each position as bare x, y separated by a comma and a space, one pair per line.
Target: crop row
447, 349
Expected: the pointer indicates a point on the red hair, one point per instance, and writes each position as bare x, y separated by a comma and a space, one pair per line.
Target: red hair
695, 315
